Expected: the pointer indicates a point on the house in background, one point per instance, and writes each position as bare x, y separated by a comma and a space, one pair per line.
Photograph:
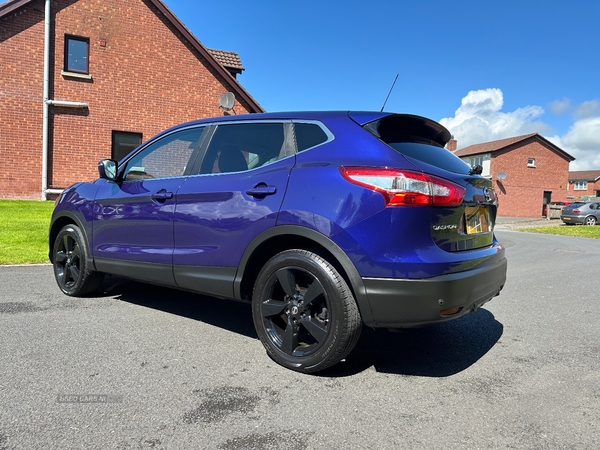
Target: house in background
83, 80
528, 172
584, 183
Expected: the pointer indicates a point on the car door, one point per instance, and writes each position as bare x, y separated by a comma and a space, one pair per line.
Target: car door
236, 195
595, 210
133, 227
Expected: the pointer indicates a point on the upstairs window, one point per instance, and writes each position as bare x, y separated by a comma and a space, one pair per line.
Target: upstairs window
476, 161
77, 54
531, 162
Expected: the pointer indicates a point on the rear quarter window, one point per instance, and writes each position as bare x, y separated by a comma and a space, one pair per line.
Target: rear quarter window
309, 135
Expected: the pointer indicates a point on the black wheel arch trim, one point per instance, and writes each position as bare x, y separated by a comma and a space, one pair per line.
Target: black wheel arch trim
54, 230
356, 281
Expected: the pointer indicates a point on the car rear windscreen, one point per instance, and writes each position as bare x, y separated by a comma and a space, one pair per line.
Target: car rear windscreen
418, 138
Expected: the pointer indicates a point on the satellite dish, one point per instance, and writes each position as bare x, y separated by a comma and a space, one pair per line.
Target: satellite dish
227, 101
501, 175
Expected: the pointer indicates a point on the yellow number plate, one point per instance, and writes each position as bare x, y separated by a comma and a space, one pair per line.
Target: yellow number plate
478, 220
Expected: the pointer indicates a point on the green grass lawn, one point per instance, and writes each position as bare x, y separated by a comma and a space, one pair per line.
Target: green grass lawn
564, 230
24, 231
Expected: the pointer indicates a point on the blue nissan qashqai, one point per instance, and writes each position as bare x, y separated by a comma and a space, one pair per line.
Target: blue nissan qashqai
324, 221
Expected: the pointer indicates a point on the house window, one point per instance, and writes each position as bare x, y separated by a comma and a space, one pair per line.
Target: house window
531, 162
580, 186
77, 54
476, 161
123, 143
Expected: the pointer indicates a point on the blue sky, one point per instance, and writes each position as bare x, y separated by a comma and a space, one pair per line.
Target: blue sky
487, 70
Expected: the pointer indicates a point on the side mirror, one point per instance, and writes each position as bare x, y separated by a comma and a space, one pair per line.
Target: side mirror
108, 169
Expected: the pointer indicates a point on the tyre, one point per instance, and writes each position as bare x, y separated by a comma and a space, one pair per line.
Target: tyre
304, 312
590, 220
71, 260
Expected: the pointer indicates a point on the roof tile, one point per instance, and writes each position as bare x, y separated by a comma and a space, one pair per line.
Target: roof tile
491, 146
227, 59
584, 175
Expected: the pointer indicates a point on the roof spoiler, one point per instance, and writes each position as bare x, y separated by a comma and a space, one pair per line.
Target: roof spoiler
409, 128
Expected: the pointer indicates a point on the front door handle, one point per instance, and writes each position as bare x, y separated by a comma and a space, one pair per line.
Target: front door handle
162, 195
261, 191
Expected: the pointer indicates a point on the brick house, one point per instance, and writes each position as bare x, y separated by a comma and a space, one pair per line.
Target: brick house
584, 182
527, 171
113, 74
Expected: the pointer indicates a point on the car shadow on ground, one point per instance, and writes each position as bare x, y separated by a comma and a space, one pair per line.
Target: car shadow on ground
227, 314
437, 351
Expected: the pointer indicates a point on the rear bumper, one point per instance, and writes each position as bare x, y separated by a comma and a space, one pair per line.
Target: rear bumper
573, 219
402, 303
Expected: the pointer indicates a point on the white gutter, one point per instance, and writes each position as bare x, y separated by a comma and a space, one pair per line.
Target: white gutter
67, 104
47, 103
54, 191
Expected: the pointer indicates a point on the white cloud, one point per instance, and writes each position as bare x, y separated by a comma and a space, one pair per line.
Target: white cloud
587, 109
559, 107
480, 119
583, 142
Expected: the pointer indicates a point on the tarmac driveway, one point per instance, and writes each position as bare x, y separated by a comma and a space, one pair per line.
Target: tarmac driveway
146, 367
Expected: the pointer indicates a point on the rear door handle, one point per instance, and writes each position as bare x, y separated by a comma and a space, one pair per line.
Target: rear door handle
261, 191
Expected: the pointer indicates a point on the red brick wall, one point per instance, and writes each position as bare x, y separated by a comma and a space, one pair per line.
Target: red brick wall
521, 193
144, 80
21, 93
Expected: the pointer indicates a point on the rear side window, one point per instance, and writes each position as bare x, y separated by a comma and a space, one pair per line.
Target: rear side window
417, 139
245, 146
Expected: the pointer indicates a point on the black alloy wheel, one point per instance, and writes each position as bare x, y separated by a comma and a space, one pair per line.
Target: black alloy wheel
304, 312
72, 264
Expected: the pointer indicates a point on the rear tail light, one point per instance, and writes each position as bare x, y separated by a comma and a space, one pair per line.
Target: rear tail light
406, 188
576, 211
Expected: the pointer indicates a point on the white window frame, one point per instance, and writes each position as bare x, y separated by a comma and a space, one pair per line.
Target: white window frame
475, 161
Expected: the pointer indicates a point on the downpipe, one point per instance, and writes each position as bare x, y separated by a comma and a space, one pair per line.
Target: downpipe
47, 103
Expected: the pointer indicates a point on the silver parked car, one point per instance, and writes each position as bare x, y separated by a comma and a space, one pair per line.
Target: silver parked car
586, 213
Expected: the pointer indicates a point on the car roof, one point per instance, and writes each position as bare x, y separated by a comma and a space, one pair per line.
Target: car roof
432, 129
363, 116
